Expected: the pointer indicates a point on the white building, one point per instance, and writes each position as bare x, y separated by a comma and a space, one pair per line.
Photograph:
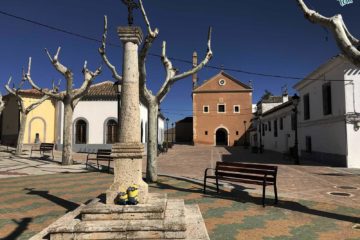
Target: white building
330, 96
273, 125
276, 128
95, 120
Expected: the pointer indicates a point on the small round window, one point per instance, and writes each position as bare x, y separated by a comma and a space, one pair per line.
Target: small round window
222, 82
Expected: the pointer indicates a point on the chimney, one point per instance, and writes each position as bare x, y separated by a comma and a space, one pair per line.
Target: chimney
285, 95
194, 76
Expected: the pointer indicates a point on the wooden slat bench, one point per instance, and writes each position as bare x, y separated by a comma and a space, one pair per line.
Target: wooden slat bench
244, 173
100, 155
44, 147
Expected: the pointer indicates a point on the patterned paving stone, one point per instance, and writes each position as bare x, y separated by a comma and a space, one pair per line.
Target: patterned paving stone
30, 203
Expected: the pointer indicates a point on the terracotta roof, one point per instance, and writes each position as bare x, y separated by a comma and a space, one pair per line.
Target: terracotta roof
104, 89
31, 91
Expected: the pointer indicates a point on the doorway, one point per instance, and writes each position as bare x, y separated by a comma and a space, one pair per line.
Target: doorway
221, 137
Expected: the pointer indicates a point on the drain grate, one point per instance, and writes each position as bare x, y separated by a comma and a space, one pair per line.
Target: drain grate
347, 187
356, 227
340, 194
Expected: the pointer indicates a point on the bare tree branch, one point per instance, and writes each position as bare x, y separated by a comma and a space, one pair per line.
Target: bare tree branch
149, 39
10, 90
171, 73
57, 65
27, 76
88, 78
346, 42
36, 104
102, 51
14, 92
152, 33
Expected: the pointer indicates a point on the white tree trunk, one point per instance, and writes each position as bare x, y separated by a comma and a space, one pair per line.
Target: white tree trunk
151, 166
67, 134
20, 139
2, 104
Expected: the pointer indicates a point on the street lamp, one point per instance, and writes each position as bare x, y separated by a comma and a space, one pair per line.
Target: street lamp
117, 88
167, 133
295, 100
172, 133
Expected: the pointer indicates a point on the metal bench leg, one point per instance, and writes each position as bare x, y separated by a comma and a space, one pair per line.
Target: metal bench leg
217, 185
52, 152
205, 184
109, 167
276, 196
263, 197
30, 153
98, 164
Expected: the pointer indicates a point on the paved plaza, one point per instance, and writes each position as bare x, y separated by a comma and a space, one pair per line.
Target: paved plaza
35, 192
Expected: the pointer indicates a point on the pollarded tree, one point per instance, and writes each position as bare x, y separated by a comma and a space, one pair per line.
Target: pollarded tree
2, 104
349, 45
24, 111
154, 100
70, 98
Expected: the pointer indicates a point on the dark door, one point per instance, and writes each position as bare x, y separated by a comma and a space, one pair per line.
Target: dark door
221, 137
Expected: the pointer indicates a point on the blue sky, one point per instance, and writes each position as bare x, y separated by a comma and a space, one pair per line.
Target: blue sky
261, 36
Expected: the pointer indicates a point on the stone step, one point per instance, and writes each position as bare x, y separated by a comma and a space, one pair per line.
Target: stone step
195, 225
154, 209
179, 221
171, 228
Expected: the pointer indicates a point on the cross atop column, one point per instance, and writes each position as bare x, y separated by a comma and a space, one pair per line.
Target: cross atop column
131, 6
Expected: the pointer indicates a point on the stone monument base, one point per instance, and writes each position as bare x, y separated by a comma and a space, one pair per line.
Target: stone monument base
127, 171
160, 218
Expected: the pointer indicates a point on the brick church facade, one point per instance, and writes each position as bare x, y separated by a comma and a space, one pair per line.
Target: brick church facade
222, 110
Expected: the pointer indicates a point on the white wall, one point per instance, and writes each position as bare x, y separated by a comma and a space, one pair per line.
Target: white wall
352, 96
144, 122
97, 113
161, 131
327, 132
285, 137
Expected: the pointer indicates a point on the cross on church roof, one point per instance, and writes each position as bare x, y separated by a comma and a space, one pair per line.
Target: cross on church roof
131, 6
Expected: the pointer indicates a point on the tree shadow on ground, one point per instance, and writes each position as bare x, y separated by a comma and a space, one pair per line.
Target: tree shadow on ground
22, 226
68, 205
239, 195
239, 154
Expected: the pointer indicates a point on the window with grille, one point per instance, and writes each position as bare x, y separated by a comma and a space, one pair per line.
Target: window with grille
111, 134
326, 93
206, 109
275, 128
81, 131
221, 108
236, 109
306, 107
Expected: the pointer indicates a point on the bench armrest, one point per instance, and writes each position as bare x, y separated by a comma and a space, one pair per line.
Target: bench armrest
206, 171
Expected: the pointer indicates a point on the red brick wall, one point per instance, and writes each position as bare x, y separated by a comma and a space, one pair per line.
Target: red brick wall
212, 94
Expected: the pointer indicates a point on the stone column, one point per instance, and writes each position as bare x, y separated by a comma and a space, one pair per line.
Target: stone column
129, 151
